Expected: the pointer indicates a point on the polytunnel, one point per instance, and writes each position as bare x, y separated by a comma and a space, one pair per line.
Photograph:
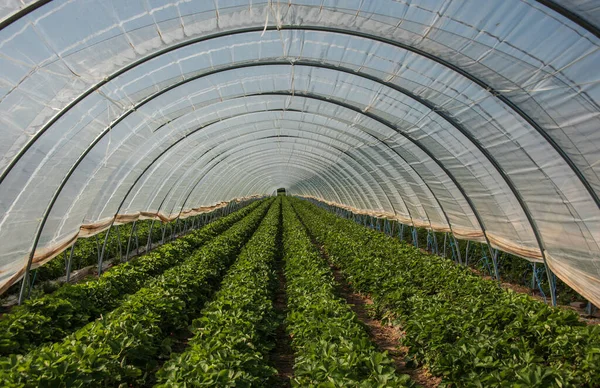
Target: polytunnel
477, 117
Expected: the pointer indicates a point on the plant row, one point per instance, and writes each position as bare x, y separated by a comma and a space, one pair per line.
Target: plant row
86, 252
460, 326
122, 346
234, 334
331, 346
51, 317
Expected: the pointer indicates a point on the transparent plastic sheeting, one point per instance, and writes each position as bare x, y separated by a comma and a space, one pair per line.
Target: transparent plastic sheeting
475, 117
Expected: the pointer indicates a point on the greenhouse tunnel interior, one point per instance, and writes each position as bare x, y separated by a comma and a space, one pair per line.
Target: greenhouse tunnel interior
480, 118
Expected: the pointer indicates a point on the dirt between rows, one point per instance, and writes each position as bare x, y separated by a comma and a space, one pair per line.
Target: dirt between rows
386, 337
282, 356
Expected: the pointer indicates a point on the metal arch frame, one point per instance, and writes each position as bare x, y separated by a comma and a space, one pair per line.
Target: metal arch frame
300, 158
216, 164
407, 93
252, 184
424, 149
248, 65
415, 50
357, 165
244, 114
465, 133
385, 146
353, 168
424, 102
572, 16
492, 160
225, 158
582, 22
327, 137
374, 117
333, 177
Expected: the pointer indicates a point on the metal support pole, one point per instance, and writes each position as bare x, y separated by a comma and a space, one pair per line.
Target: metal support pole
416, 237
533, 277
458, 255
97, 246
173, 229
467, 254
24, 283
103, 249
133, 226
149, 243
164, 230
137, 240
445, 238
66, 261
69, 263
495, 263
119, 243
552, 284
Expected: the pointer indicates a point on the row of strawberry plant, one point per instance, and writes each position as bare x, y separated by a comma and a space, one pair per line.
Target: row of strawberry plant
459, 325
85, 253
122, 346
332, 347
234, 334
51, 317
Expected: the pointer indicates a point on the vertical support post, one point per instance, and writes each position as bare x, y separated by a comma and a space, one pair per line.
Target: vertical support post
119, 243
467, 254
137, 241
174, 229
552, 284
103, 249
129, 240
445, 239
97, 246
533, 276
415, 233
458, 255
495, 263
69, 263
164, 230
149, 243
66, 261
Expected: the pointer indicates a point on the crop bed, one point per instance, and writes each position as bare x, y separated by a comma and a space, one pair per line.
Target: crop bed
201, 311
460, 326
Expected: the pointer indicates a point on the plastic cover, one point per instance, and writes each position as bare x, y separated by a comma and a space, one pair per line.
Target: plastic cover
476, 117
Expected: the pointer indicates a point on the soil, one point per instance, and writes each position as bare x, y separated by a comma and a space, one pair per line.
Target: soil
385, 337
282, 356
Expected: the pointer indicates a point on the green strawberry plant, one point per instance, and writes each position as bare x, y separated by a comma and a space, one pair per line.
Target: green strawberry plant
235, 332
331, 346
51, 317
460, 326
122, 347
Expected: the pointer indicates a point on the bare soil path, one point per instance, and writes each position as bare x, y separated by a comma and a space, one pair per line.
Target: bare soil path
282, 356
